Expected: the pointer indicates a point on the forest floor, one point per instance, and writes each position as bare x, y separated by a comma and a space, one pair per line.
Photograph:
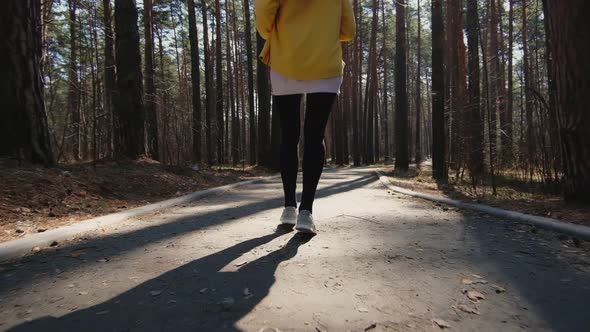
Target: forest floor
512, 194
380, 262
35, 199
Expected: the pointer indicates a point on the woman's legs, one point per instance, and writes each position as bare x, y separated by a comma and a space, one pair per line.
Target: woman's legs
317, 113
288, 107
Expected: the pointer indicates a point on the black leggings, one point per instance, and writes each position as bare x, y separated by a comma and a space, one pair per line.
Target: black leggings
317, 112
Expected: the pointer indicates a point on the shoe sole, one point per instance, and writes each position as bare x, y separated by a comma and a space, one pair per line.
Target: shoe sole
289, 222
305, 230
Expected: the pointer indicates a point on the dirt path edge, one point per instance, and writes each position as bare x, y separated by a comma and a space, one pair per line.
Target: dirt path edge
19, 247
579, 231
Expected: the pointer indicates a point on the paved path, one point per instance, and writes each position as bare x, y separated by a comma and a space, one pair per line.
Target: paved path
381, 262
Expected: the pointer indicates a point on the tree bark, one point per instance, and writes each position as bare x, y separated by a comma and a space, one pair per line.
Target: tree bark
439, 167
208, 84
109, 75
401, 97
530, 142
476, 127
196, 81
250, 62
371, 95
24, 133
507, 146
568, 25
219, 88
418, 155
387, 142
129, 105
73, 84
150, 87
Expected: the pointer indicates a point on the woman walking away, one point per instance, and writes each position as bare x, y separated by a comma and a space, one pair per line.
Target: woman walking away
304, 53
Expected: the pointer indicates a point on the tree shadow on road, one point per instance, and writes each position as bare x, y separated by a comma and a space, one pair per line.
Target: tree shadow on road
114, 245
195, 296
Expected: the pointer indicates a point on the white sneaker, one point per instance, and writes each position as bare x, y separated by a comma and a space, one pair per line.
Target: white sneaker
289, 216
305, 223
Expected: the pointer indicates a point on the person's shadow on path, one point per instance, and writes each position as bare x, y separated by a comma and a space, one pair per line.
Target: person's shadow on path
194, 297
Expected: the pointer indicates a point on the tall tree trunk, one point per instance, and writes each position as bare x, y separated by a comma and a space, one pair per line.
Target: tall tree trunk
23, 121
109, 74
457, 79
232, 120
150, 87
401, 97
240, 133
251, 113
439, 167
568, 25
371, 95
356, 150
73, 84
476, 127
385, 86
488, 100
46, 12
129, 104
507, 146
530, 148
552, 108
497, 113
196, 81
208, 85
219, 89
418, 156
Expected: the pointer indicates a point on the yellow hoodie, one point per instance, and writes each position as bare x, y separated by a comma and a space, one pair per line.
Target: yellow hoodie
303, 36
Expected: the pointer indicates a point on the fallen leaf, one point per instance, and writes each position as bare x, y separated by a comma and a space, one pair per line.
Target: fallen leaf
102, 260
241, 264
474, 296
441, 323
56, 299
468, 281
370, 327
499, 289
155, 292
468, 309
